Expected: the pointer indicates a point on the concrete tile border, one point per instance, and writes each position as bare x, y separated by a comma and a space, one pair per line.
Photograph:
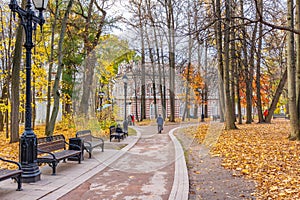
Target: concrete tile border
180, 188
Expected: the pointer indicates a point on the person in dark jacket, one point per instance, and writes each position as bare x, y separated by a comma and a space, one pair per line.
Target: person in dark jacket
160, 123
119, 129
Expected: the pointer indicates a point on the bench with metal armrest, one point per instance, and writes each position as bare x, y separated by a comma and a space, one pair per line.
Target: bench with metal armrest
89, 141
12, 173
52, 149
116, 133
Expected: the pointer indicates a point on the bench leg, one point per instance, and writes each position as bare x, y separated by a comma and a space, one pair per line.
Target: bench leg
102, 146
53, 165
19, 182
79, 158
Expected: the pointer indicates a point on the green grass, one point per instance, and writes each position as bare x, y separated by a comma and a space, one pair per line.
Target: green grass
131, 132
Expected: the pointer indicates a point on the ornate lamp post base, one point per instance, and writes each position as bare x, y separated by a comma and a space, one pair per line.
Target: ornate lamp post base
28, 151
31, 173
202, 117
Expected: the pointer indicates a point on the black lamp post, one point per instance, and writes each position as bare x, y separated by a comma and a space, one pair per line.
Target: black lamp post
28, 141
125, 123
202, 113
202, 102
101, 95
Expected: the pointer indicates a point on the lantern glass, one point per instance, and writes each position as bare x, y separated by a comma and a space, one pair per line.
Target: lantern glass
125, 78
40, 4
101, 94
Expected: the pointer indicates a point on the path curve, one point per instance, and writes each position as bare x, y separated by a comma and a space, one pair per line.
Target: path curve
154, 168
150, 166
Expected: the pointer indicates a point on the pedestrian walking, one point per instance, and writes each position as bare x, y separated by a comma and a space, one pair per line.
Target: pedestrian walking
129, 119
160, 123
132, 119
266, 113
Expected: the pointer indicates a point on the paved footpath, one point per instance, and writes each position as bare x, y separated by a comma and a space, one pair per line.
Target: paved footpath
148, 166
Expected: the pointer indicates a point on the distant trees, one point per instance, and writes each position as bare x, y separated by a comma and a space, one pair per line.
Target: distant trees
247, 42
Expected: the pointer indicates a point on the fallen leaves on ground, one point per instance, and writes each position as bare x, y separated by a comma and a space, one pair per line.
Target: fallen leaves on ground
198, 132
263, 153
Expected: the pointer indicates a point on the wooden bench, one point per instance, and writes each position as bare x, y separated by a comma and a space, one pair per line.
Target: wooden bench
89, 141
52, 149
12, 173
116, 133
281, 115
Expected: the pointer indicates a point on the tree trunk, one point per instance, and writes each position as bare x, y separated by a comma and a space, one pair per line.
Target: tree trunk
291, 73
276, 97
90, 62
152, 56
51, 60
233, 74
153, 76
187, 91
164, 100
171, 47
56, 91
249, 70
143, 95
229, 119
237, 83
259, 46
15, 85
159, 76
89, 48
219, 42
135, 78
190, 46
6, 64
3, 99
172, 62
298, 65
205, 80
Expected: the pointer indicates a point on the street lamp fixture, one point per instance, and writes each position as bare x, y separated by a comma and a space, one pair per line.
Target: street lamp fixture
101, 95
40, 4
125, 123
28, 140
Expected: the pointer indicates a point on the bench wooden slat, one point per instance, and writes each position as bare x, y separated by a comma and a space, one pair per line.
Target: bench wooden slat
7, 173
52, 146
52, 150
60, 155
